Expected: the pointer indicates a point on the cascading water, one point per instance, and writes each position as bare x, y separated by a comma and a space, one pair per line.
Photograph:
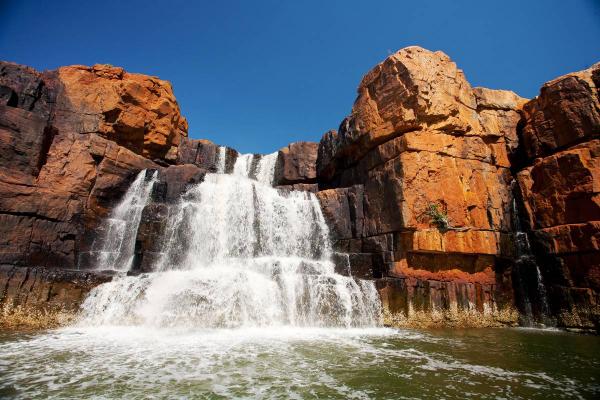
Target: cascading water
527, 265
266, 168
239, 253
221, 159
114, 247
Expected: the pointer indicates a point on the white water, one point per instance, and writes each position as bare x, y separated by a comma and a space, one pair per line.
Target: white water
115, 244
221, 159
266, 168
239, 253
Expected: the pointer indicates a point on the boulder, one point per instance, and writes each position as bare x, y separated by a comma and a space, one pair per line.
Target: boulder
566, 112
137, 111
413, 90
296, 164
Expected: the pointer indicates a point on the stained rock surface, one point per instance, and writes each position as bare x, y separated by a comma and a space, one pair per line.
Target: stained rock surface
71, 142
465, 205
419, 136
559, 181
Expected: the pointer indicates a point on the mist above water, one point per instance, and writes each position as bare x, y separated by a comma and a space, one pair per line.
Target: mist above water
237, 252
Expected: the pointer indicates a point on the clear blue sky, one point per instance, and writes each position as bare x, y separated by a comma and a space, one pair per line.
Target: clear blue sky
257, 75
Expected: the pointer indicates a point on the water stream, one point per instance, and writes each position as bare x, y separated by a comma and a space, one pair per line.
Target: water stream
239, 253
535, 309
114, 245
244, 303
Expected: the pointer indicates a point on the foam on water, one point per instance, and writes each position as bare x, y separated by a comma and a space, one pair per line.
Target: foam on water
282, 362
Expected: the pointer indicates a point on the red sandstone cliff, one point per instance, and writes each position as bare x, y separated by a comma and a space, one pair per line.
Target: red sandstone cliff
71, 141
559, 180
419, 136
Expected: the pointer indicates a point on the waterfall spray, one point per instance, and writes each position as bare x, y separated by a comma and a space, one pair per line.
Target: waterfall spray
239, 253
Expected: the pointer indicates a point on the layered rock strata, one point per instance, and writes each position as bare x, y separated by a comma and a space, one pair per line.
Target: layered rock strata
40, 298
559, 181
464, 204
421, 141
71, 142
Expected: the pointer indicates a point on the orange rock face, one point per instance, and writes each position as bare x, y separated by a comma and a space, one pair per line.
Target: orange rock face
417, 90
420, 135
137, 111
71, 141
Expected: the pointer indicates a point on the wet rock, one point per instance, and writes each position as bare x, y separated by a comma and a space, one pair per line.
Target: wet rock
177, 179
34, 297
558, 183
422, 303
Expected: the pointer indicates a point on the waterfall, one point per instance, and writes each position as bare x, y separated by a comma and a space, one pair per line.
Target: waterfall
243, 165
114, 247
239, 253
530, 284
221, 159
266, 168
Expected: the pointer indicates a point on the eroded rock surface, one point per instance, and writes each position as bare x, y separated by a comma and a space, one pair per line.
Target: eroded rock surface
462, 203
43, 298
420, 136
560, 188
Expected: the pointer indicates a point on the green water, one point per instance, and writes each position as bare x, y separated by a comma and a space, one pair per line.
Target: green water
140, 363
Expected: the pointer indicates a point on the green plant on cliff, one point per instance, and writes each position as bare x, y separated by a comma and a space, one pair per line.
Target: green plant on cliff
438, 217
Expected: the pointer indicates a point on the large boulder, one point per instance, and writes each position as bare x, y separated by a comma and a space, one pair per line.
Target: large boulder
137, 111
415, 90
566, 112
296, 164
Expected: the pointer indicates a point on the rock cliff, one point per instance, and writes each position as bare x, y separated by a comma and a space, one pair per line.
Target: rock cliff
417, 186
468, 206
559, 182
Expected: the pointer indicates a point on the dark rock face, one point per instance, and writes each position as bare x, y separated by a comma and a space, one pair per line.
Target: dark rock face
202, 153
559, 188
296, 164
33, 297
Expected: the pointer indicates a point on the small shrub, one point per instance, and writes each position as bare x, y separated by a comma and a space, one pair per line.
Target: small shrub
438, 217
